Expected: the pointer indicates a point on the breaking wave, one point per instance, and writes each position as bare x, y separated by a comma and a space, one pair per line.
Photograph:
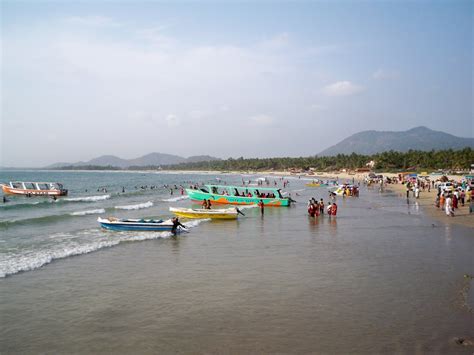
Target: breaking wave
64, 245
174, 199
135, 207
84, 213
86, 198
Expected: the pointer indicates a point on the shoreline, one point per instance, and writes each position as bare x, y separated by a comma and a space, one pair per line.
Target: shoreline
427, 203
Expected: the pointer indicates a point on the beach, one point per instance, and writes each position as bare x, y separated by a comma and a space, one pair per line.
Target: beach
381, 277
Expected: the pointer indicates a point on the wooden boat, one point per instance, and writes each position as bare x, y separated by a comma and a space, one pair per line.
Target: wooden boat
238, 195
221, 213
136, 224
34, 188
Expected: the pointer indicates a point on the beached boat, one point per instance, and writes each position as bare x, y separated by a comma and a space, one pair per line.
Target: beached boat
136, 224
221, 213
237, 195
34, 188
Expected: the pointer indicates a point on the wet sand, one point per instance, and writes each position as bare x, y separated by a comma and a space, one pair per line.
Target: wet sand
427, 202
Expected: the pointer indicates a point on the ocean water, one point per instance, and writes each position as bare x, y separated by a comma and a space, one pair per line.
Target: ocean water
381, 277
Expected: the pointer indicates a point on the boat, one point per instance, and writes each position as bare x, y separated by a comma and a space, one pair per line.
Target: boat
153, 225
238, 195
34, 188
316, 183
346, 190
221, 213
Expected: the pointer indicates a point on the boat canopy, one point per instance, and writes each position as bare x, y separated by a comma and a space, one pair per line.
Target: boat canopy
36, 185
254, 190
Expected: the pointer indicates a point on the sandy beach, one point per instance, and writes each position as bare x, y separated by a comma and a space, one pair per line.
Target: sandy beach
426, 199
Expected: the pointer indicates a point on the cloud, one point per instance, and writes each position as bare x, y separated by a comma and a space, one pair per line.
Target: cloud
172, 120
317, 107
91, 21
382, 74
342, 88
262, 120
277, 42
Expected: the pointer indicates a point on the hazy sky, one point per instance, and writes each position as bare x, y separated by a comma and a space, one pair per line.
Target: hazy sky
83, 79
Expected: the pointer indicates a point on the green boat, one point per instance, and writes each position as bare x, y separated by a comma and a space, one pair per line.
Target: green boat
239, 195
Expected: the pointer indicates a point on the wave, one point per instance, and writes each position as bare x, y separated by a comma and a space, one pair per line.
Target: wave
245, 207
67, 244
174, 199
86, 198
135, 207
47, 219
11, 206
84, 213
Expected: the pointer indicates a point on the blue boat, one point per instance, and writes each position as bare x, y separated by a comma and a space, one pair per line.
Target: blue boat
152, 225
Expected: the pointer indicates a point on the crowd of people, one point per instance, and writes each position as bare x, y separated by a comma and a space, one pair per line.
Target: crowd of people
317, 208
449, 201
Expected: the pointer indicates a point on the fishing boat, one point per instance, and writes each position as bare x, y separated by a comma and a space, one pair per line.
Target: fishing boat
238, 195
34, 188
221, 213
153, 225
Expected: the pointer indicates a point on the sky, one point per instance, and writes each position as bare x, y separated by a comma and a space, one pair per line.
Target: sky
228, 79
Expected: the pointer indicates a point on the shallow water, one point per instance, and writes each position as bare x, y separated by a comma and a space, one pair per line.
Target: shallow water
381, 277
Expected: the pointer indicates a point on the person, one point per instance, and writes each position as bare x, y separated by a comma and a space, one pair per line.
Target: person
442, 200
5, 199
408, 189
455, 201
176, 224
437, 201
462, 197
123, 189
311, 210
262, 206
329, 209
449, 206
417, 192
208, 206
334, 209
204, 204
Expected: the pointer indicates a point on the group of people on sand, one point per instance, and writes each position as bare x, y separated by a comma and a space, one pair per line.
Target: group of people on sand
450, 200
316, 208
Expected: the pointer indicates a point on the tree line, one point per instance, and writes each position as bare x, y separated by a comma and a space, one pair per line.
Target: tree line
449, 159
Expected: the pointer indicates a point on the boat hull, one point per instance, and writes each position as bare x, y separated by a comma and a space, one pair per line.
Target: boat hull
214, 214
118, 225
31, 192
197, 195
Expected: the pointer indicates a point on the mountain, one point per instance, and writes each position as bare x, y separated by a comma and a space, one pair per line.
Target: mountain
418, 138
152, 159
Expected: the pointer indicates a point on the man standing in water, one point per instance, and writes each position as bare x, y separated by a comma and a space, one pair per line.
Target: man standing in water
176, 224
262, 207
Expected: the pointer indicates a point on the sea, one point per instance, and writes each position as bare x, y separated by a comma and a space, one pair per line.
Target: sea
381, 277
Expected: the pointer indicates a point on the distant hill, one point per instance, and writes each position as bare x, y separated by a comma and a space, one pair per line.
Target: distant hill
152, 159
418, 138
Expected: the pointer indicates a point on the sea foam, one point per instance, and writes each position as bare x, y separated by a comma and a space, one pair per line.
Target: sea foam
135, 207
71, 244
174, 199
87, 198
84, 213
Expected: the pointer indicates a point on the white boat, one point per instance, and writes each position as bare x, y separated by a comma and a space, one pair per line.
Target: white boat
34, 188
